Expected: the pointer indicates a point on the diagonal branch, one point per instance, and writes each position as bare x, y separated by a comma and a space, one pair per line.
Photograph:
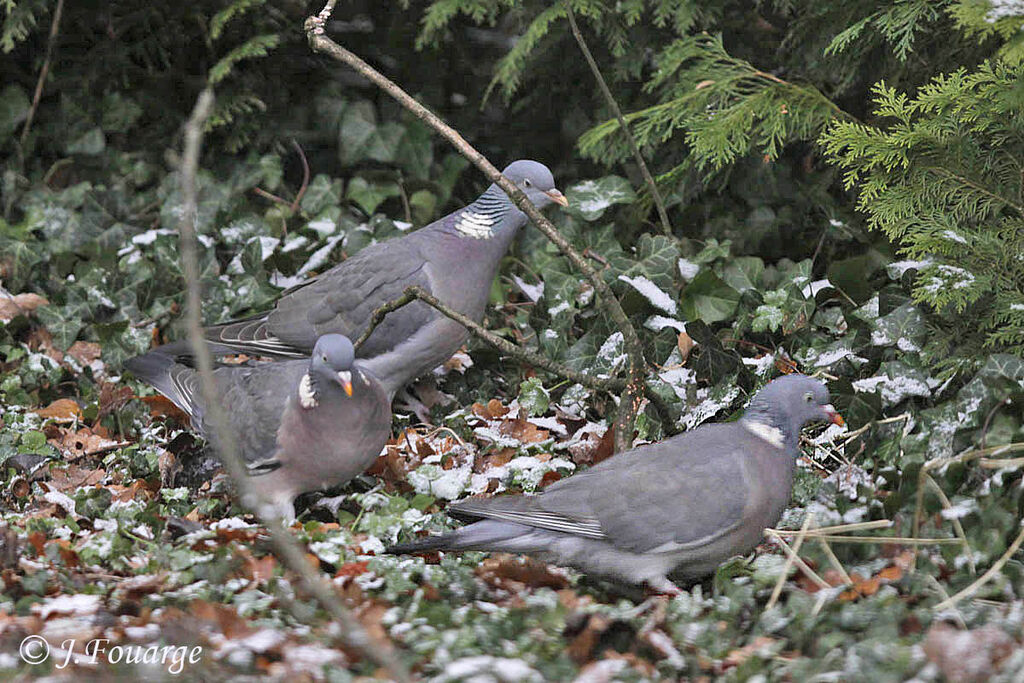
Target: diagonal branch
415, 292
285, 546
614, 106
319, 42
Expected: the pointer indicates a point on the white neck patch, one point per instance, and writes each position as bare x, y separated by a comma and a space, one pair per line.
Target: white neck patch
475, 225
307, 395
772, 435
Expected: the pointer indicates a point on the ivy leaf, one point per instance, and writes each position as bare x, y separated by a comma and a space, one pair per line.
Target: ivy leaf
713, 361
591, 198
708, 298
533, 396
320, 194
369, 195
91, 143
743, 272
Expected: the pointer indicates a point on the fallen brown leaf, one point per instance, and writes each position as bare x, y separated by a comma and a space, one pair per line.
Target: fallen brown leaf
19, 304
62, 410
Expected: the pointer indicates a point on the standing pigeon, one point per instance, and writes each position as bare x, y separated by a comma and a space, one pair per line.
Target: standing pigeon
454, 258
301, 425
685, 504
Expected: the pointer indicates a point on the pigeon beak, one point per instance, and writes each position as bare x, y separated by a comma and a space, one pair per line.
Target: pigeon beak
833, 415
345, 380
557, 197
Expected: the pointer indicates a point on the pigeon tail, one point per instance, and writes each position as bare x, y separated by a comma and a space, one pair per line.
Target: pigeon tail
160, 371
485, 535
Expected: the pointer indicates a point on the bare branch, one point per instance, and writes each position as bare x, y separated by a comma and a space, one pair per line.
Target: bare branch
54, 28
285, 546
637, 365
614, 106
415, 292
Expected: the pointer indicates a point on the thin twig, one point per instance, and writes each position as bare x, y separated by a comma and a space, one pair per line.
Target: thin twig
319, 42
939, 463
271, 196
305, 176
834, 561
614, 106
415, 292
37, 96
285, 546
957, 526
987, 576
791, 558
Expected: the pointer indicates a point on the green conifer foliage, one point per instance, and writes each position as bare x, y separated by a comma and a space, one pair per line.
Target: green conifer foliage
943, 176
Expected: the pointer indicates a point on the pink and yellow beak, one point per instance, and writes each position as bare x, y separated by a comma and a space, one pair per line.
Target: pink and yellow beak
345, 380
557, 197
833, 415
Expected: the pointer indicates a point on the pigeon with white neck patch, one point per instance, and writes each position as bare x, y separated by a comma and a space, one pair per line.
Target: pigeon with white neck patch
301, 425
454, 258
681, 507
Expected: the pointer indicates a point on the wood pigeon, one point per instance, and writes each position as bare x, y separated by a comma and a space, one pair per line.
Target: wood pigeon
454, 258
301, 425
681, 506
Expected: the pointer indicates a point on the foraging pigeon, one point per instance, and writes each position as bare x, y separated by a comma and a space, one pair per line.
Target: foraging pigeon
455, 259
301, 425
683, 505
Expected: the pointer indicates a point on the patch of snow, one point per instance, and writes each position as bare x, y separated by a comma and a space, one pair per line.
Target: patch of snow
79, 604
323, 225
372, 545
812, 289
953, 236
486, 668
709, 406
687, 269
893, 389
947, 277
319, 257
679, 379
549, 423
762, 365
558, 308
653, 293
660, 322
960, 509
532, 292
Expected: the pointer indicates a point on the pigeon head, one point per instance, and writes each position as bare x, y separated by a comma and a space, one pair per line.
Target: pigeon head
788, 403
332, 360
535, 179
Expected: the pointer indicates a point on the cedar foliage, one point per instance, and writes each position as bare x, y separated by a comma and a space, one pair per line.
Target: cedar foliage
938, 172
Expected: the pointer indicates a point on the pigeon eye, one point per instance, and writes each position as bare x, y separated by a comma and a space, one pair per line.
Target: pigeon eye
527, 183
808, 397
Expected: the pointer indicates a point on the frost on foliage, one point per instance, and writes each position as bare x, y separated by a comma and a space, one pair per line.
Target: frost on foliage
828, 356
896, 269
611, 357
591, 198
486, 668
441, 483
895, 382
943, 277
652, 292
904, 328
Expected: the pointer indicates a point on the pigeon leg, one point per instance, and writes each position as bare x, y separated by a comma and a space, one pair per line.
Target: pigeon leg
662, 586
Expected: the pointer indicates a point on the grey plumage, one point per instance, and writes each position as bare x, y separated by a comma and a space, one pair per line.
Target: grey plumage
455, 259
300, 425
680, 506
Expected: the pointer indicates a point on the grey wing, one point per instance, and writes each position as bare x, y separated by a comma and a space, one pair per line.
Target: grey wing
343, 300
646, 501
254, 399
